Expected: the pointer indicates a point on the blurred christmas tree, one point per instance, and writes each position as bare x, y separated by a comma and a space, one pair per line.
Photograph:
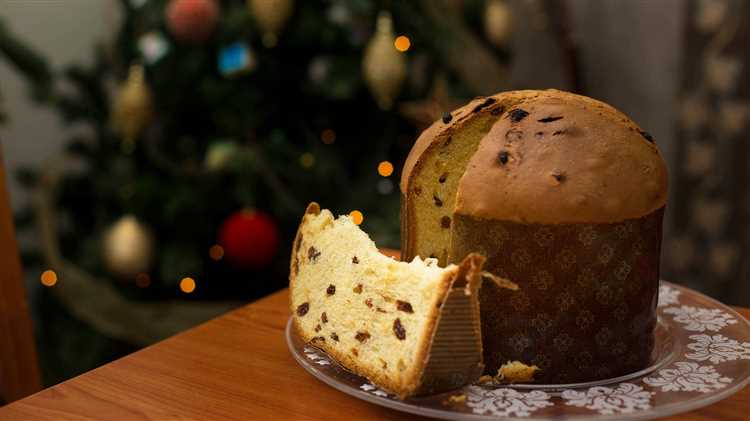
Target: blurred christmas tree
211, 124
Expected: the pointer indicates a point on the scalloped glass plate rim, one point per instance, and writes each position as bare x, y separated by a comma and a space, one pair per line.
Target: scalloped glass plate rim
689, 404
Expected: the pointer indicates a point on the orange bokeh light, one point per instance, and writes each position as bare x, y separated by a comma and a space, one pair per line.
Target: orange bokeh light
48, 278
402, 43
357, 217
187, 285
385, 168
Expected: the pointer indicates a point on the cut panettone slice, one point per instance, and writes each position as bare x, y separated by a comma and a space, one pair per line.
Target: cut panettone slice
410, 328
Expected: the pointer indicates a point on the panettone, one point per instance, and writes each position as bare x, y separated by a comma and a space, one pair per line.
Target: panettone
564, 195
411, 328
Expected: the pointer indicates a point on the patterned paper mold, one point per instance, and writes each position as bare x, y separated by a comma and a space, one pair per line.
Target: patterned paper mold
695, 368
595, 284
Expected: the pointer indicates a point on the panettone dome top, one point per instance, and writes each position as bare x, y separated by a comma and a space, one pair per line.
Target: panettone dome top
553, 157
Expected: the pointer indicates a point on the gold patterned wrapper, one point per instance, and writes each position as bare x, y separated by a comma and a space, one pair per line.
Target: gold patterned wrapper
586, 305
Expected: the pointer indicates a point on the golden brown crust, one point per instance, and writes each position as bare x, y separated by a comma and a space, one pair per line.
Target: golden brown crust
570, 159
609, 167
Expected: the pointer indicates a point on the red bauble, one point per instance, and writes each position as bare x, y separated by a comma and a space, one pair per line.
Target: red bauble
250, 239
192, 21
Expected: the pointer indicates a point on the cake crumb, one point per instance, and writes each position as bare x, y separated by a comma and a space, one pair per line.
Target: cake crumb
458, 399
516, 372
486, 379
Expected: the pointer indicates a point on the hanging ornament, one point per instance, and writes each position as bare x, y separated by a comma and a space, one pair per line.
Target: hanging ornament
153, 46
192, 21
250, 239
133, 108
498, 22
128, 248
383, 67
271, 15
236, 59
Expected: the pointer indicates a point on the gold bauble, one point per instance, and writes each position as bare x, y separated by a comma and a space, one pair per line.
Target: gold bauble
498, 22
271, 15
383, 67
128, 248
133, 107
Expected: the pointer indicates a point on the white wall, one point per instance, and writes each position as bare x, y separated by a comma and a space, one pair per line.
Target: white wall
64, 31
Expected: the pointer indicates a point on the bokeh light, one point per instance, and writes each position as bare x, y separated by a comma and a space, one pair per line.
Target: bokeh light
307, 160
187, 285
385, 168
402, 43
48, 278
142, 280
328, 136
216, 252
357, 216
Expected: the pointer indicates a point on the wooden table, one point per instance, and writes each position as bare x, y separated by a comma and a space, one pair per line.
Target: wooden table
234, 367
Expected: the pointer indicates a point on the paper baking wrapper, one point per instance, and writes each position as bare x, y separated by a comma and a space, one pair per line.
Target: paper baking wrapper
586, 305
455, 357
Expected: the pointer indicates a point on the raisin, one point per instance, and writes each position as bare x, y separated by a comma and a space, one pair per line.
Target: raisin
646, 136
324, 317
379, 310
368, 302
303, 308
559, 176
331, 289
313, 254
487, 102
399, 330
445, 222
549, 119
404, 306
447, 117
334, 336
503, 157
443, 177
362, 336
497, 111
437, 200
355, 260
517, 115
358, 289
317, 328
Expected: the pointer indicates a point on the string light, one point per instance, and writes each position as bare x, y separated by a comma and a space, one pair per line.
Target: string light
48, 278
307, 160
187, 285
328, 136
142, 280
385, 168
216, 252
402, 43
357, 217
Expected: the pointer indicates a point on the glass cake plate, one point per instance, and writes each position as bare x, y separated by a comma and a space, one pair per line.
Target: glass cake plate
702, 355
